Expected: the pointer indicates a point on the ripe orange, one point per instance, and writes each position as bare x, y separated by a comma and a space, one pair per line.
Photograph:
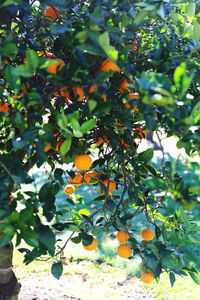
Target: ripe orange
46, 148
99, 141
91, 177
58, 145
104, 98
69, 189
140, 133
111, 185
64, 92
12, 198
92, 246
134, 48
122, 236
123, 143
108, 65
147, 235
132, 96
79, 93
51, 13
147, 277
83, 162
76, 180
124, 86
46, 54
124, 251
93, 88
55, 67
4, 107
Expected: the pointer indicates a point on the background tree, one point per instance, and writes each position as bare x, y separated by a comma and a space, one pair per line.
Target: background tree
81, 85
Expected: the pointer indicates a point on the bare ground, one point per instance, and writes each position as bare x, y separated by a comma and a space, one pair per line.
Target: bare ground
86, 283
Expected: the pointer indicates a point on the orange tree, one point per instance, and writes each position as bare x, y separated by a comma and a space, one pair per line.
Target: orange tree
82, 83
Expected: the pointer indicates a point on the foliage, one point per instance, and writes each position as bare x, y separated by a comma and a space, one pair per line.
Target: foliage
59, 102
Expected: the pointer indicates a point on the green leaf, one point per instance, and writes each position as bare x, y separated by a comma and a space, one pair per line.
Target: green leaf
24, 71
84, 211
47, 238
92, 105
65, 147
182, 79
10, 50
86, 48
76, 240
146, 155
82, 36
57, 270
77, 133
190, 10
104, 42
12, 78
75, 124
88, 125
86, 239
172, 278
32, 59
11, 2
196, 31
30, 237
104, 39
195, 276
151, 262
179, 73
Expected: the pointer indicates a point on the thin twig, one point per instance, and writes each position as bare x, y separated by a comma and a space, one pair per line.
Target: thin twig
8, 172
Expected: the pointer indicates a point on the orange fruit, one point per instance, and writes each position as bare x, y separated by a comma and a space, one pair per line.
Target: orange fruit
51, 13
55, 67
108, 65
76, 180
49, 55
147, 277
111, 185
4, 107
140, 133
79, 93
123, 143
83, 162
132, 96
122, 236
124, 251
147, 235
93, 88
46, 54
58, 145
92, 246
104, 97
134, 48
99, 141
69, 189
124, 86
46, 148
12, 198
91, 177
64, 92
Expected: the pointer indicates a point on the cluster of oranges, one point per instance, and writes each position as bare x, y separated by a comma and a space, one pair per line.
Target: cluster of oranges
125, 251
83, 162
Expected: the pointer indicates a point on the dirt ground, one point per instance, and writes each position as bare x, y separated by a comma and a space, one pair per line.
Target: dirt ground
84, 284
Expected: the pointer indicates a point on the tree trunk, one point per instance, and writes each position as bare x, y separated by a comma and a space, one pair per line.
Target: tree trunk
9, 286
